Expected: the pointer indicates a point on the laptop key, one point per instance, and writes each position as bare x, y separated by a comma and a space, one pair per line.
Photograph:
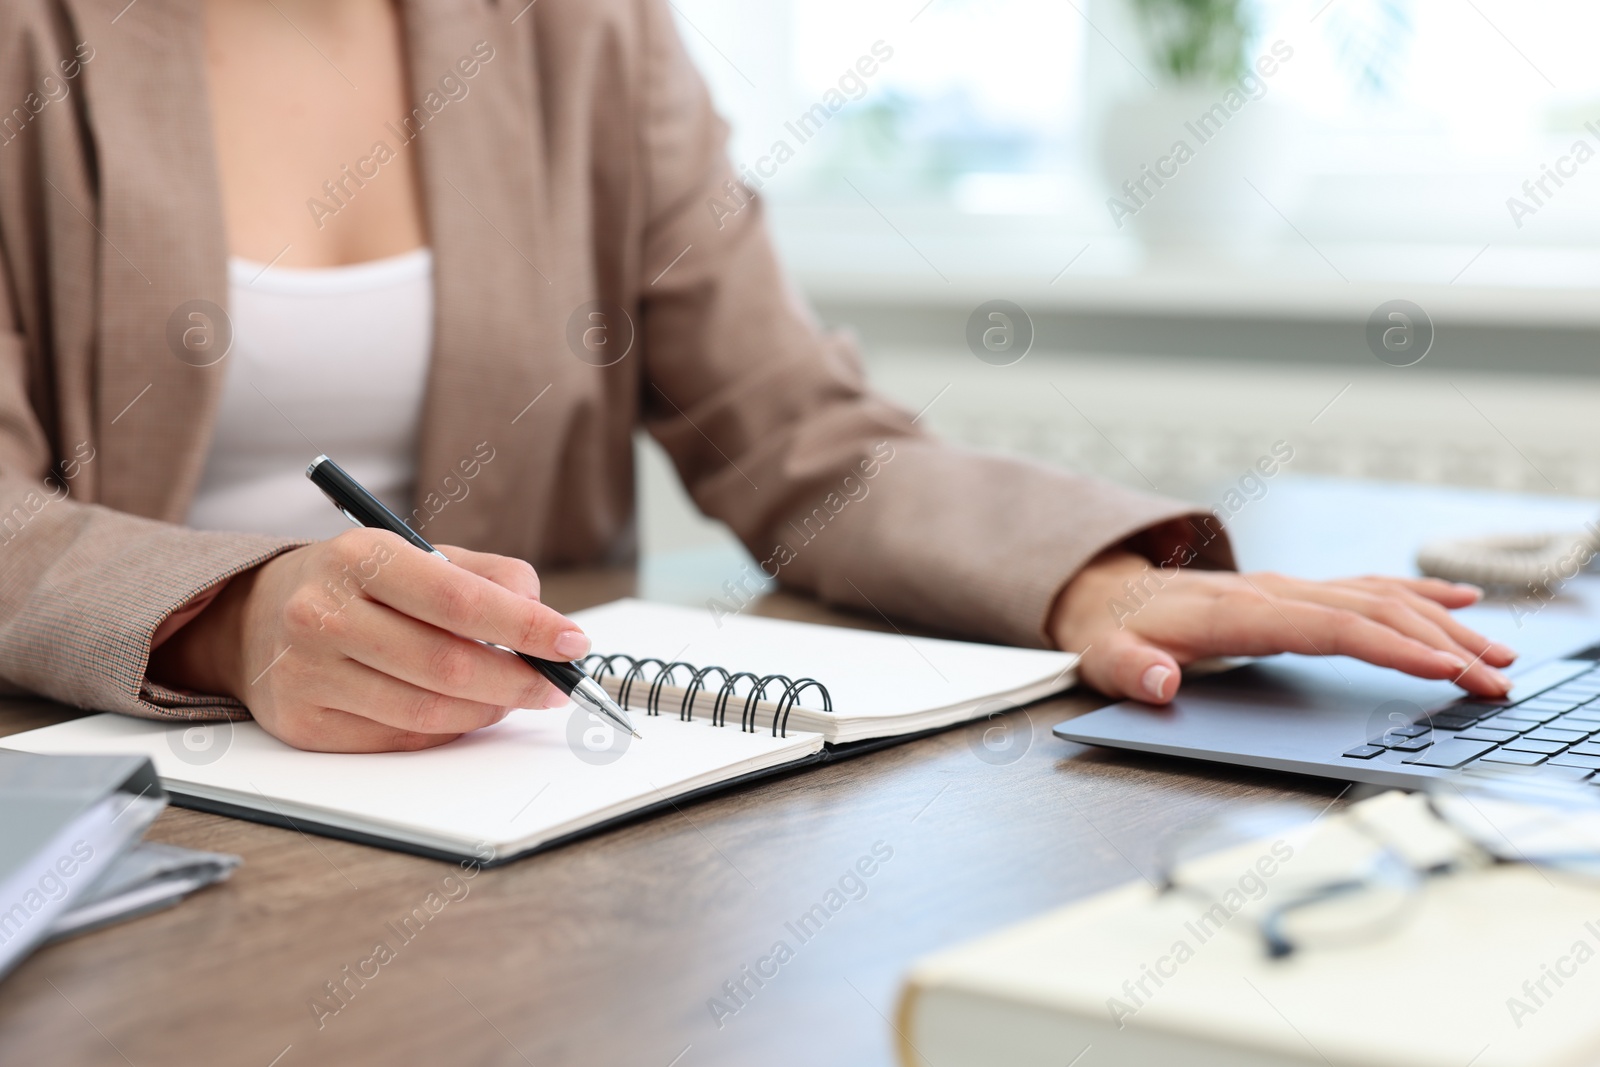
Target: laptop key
1546, 703
1368, 751
1567, 759
1397, 732
1588, 748
1544, 706
1523, 744
1520, 759
1445, 721
1571, 697
1553, 733
1409, 744
1451, 752
1483, 733
1474, 708
1528, 714
1500, 722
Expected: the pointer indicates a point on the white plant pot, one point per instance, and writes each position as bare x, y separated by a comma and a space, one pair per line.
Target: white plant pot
1183, 170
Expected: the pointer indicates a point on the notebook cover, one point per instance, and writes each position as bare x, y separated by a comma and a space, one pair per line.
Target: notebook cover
829, 754
272, 818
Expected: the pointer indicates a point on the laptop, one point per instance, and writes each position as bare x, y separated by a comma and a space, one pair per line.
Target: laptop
1340, 718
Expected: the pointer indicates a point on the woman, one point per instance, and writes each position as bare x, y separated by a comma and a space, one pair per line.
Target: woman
465, 247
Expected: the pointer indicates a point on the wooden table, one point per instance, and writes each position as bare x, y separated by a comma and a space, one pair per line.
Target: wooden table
608, 951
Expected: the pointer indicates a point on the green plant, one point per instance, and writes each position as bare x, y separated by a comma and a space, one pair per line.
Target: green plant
1197, 40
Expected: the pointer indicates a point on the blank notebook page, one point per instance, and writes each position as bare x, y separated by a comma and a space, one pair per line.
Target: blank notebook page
874, 678
512, 786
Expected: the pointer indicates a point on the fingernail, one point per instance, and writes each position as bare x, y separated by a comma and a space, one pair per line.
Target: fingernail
572, 644
1500, 651
1500, 679
1155, 681
1475, 590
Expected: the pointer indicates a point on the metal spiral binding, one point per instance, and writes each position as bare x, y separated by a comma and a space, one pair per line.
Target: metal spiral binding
602, 666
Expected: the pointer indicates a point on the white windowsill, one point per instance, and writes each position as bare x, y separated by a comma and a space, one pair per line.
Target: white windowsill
922, 256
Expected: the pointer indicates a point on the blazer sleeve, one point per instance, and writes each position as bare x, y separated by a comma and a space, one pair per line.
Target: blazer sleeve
773, 430
83, 587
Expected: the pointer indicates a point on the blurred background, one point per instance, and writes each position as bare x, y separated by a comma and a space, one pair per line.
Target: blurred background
1174, 312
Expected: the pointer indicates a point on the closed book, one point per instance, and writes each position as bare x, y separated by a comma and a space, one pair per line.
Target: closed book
64, 823
1498, 966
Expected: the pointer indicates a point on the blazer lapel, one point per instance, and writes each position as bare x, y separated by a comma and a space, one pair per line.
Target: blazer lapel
497, 289
162, 276
499, 341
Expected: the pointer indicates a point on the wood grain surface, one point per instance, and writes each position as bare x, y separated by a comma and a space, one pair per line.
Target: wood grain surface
611, 950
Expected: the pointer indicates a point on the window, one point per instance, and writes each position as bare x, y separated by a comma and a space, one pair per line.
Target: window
966, 100
1419, 121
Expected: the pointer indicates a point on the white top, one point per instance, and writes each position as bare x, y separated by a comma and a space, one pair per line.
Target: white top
330, 360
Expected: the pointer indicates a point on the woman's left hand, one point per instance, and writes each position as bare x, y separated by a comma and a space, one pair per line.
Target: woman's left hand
1137, 625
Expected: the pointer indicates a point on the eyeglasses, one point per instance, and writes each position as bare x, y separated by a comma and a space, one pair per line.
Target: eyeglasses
1300, 879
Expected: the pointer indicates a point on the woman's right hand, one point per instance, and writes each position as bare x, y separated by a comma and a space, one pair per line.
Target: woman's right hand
364, 643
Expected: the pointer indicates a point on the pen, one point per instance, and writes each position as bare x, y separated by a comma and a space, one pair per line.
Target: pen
364, 509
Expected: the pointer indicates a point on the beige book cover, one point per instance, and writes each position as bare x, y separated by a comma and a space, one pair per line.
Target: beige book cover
1495, 967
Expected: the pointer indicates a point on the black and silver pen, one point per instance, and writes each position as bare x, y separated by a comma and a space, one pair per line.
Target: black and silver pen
364, 509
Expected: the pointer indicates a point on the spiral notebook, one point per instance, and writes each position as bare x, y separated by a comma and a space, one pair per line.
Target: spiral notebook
717, 701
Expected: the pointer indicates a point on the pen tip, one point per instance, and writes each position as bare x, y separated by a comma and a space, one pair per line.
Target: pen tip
635, 733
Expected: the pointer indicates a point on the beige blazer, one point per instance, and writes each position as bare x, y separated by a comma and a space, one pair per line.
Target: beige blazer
578, 166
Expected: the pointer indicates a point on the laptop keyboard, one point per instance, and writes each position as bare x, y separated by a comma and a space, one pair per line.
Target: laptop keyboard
1549, 724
